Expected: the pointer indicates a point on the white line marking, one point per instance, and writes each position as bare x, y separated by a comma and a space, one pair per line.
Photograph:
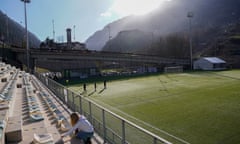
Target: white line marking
147, 124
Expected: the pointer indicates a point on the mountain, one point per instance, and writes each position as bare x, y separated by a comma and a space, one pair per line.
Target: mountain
210, 16
125, 40
226, 46
13, 33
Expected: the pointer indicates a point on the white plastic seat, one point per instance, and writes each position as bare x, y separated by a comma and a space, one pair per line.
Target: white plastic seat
36, 117
42, 138
65, 125
2, 125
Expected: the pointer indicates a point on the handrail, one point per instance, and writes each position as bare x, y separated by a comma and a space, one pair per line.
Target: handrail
131, 123
124, 121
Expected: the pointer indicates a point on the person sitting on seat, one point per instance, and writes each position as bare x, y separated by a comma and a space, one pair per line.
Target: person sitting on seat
81, 127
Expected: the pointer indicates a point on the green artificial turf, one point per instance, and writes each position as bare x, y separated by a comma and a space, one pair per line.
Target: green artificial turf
197, 107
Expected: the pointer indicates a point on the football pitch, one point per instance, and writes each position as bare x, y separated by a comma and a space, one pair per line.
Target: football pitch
196, 107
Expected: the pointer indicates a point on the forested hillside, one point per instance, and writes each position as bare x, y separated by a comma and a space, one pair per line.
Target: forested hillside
13, 33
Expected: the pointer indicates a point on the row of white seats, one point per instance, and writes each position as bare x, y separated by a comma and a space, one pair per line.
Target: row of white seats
8, 76
5, 68
62, 121
33, 105
35, 112
6, 93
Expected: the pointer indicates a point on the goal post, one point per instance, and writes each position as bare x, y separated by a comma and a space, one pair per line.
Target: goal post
173, 69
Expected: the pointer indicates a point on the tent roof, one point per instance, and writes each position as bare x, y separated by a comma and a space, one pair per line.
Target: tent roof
214, 60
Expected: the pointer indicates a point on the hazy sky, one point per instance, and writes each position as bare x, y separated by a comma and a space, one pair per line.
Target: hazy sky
87, 16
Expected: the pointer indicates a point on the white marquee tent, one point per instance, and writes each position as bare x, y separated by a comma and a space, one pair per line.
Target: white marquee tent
209, 63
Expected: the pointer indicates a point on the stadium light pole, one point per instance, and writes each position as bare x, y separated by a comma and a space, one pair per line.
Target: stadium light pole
190, 16
7, 31
109, 35
26, 30
2, 38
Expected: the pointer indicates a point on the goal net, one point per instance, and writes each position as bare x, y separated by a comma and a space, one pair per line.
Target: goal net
175, 69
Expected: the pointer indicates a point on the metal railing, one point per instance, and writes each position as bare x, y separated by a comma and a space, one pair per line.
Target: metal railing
111, 127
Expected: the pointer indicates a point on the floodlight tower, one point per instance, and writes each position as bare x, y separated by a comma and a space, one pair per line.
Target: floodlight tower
7, 39
109, 35
26, 30
190, 16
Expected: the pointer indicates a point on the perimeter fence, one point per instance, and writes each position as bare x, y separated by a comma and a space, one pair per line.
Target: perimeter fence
111, 127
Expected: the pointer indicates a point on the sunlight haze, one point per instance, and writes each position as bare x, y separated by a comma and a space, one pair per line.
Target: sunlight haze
135, 7
83, 17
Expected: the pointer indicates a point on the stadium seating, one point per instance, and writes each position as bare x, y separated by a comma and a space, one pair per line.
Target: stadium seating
59, 117
42, 138
35, 113
2, 126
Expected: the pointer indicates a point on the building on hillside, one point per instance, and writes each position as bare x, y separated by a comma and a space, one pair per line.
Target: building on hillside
209, 63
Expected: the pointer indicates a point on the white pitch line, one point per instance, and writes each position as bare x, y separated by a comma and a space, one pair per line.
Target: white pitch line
147, 124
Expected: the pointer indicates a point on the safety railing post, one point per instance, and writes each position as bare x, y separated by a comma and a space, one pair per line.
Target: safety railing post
154, 140
123, 132
90, 111
73, 102
80, 104
104, 126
